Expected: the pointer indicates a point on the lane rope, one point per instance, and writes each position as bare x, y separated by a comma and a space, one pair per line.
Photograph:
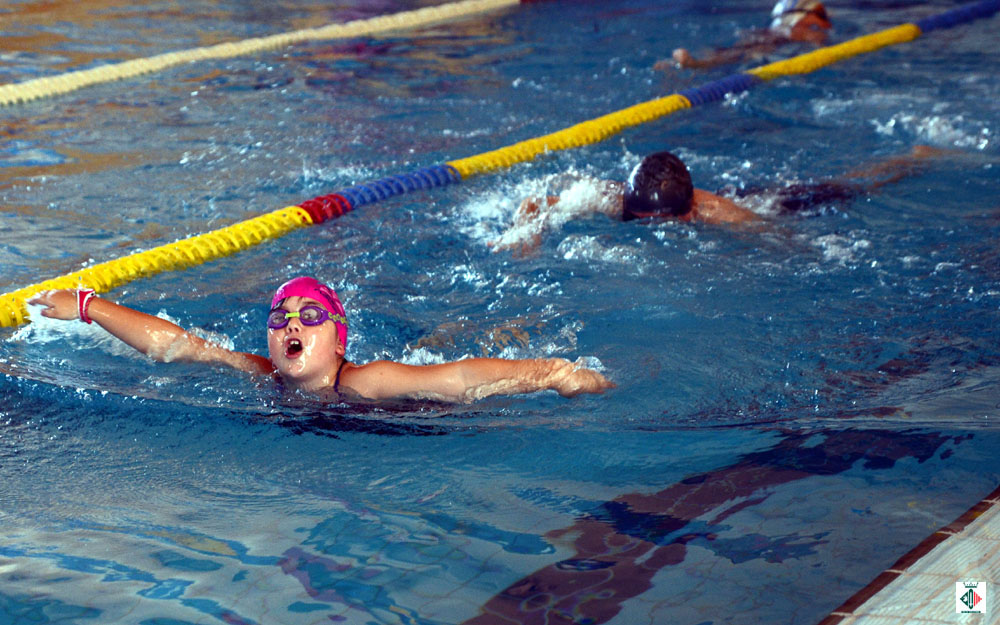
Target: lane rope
203, 248
49, 86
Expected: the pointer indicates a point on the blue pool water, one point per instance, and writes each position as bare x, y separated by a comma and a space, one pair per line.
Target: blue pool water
797, 405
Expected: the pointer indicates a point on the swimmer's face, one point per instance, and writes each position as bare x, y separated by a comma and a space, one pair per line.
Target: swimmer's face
305, 356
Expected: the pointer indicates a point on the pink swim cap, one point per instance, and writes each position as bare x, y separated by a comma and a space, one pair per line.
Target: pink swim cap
312, 288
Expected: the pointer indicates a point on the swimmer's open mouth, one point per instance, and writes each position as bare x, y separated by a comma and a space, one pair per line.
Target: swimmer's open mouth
293, 347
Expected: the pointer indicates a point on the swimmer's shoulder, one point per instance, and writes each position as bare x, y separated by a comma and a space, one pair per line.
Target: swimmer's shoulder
716, 209
372, 379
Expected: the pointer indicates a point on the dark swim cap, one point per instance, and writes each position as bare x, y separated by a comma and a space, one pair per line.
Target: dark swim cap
660, 186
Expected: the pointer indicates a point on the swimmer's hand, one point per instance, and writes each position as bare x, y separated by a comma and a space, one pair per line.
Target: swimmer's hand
680, 57
59, 304
525, 233
536, 215
518, 247
570, 379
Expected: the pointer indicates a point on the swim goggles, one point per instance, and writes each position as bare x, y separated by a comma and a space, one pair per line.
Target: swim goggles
308, 315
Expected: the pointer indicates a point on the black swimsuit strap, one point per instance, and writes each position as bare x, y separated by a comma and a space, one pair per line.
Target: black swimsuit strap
336, 382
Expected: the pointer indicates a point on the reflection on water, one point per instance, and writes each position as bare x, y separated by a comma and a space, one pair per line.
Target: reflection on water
796, 407
33, 28
61, 35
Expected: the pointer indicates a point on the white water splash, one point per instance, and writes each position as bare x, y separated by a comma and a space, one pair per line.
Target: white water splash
581, 247
43, 330
938, 130
422, 356
582, 198
840, 249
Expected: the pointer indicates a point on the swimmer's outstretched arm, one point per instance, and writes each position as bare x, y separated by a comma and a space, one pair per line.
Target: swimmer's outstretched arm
683, 59
874, 176
158, 338
531, 219
809, 29
474, 378
756, 46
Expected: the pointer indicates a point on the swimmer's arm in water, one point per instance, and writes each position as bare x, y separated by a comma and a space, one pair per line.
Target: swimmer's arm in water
891, 170
756, 46
808, 29
532, 216
472, 379
682, 58
158, 338
606, 199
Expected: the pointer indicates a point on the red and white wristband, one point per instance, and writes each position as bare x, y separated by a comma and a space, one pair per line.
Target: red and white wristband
83, 297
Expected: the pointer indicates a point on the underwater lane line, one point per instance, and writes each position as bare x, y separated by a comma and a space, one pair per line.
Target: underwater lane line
621, 545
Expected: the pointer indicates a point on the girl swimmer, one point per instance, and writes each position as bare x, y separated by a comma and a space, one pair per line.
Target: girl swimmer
307, 341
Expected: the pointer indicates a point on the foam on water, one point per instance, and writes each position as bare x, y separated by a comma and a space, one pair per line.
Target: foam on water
828, 376
844, 250
578, 196
586, 247
42, 330
952, 131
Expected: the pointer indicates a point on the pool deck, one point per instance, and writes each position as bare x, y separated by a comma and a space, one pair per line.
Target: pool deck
921, 587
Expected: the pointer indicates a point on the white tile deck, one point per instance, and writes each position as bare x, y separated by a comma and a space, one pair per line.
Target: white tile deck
920, 587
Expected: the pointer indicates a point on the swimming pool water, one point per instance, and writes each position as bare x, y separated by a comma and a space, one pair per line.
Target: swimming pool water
797, 405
